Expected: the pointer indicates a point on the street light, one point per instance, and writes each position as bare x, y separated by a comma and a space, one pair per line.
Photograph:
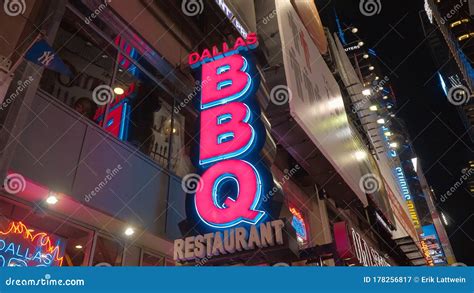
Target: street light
360, 43
365, 56
366, 92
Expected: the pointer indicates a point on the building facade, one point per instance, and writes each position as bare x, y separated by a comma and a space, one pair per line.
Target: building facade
121, 147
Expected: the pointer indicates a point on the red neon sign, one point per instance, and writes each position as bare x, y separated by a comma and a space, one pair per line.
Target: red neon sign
196, 59
227, 138
20, 246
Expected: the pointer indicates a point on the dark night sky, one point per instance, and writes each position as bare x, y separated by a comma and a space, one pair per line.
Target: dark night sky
433, 123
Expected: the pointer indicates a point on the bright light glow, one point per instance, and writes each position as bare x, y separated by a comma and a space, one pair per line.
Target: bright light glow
381, 121
381, 88
385, 97
392, 115
389, 106
360, 155
129, 231
377, 78
360, 44
387, 133
367, 92
354, 30
373, 108
371, 68
414, 161
365, 56
119, 91
445, 220
78, 246
52, 199
394, 145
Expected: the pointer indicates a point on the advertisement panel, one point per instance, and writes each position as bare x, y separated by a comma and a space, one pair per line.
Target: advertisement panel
430, 236
316, 102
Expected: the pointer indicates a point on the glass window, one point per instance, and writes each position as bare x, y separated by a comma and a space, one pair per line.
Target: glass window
71, 244
108, 252
114, 84
150, 260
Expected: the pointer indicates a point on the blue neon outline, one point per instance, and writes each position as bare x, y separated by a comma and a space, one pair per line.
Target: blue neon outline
233, 97
237, 152
223, 118
253, 207
224, 137
223, 177
223, 84
123, 122
223, 69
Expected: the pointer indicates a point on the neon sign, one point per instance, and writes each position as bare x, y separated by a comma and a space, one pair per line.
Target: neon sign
299, 224
233, 179
197, 59
21, 247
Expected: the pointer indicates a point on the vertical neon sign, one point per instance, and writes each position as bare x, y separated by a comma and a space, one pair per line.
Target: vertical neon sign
230, 140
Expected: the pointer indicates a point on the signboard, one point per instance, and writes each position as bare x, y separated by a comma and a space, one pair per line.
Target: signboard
353, 247
231, 135
430, 237
316, 101
299, 225
230, 241
21, 246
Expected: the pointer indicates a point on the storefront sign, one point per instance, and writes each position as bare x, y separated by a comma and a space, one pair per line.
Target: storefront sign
355, 249
231, 137
299, 225
196, 59
407, 196
230, 241
433, 244
23, 247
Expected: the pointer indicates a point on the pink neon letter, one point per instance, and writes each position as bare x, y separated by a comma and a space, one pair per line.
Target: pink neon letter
226, 121
233, 211
228, 80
